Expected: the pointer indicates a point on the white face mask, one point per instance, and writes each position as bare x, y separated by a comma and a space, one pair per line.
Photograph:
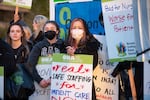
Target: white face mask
77, 33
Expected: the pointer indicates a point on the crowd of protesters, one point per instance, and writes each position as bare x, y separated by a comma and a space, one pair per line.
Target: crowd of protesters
20, 50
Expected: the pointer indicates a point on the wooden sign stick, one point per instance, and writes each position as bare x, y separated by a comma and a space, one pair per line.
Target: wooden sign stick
16, 12
132, 83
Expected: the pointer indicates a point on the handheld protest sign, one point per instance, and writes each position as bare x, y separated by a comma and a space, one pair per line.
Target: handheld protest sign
71, 77
119, 28
20, 3
44, 69
106, 86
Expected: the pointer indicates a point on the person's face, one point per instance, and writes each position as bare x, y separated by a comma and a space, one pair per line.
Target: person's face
15, 33
77, 25
77, 30
50, 27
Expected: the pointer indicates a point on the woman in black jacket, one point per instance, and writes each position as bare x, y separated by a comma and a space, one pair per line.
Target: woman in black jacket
49, 45
16, 39
80, 41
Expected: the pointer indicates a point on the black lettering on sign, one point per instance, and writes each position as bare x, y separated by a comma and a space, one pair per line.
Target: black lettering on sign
108, 80
98, 89
94, 77
58, 76
109, 92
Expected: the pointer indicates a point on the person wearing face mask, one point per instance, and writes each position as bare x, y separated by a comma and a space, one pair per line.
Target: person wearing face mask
49, 45
80, 41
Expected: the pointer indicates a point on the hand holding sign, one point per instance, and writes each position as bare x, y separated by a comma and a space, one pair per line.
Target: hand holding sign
45, 83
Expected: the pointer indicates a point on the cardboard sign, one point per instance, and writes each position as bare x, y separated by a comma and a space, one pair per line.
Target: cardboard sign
1, 82
103, 59
106, 86
71, 77
119, 29
44, 69
146, 81
21, 3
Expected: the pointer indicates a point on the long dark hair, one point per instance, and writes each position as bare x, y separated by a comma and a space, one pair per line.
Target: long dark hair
70, 41
54, 23
23, 39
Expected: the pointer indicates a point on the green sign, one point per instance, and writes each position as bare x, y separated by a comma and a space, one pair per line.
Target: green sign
1, 71
77, 58
60, 0
44, 60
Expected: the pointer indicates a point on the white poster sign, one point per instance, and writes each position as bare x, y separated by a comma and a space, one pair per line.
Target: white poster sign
119, 29
71, 77
21, 3
44, 69
106, 86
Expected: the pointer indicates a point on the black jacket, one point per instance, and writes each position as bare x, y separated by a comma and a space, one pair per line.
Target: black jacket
7, 58
90, 47
39, 38
21, 54
43, 48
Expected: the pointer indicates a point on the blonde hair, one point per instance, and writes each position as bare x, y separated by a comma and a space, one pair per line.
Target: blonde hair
28, 32
40, 19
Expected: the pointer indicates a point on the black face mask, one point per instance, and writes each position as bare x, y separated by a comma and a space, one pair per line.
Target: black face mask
50, 34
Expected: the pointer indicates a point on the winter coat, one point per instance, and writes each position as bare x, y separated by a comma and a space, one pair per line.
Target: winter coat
90, 47
7, 58
43, 48
39, 38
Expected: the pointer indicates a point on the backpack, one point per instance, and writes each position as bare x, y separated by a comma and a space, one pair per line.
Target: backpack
20, 84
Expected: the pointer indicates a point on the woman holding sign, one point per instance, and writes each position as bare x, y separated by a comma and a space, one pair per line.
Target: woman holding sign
49, 45
80, 41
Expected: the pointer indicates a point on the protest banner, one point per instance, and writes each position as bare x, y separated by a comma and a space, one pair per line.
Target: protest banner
106, 86
103, 59
119, 29
44, 69
71, 77
1, 82
89, 11
20, 3
146, 81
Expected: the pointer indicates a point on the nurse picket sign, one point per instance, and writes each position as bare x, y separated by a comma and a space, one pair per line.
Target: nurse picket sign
44, 69
71, 77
